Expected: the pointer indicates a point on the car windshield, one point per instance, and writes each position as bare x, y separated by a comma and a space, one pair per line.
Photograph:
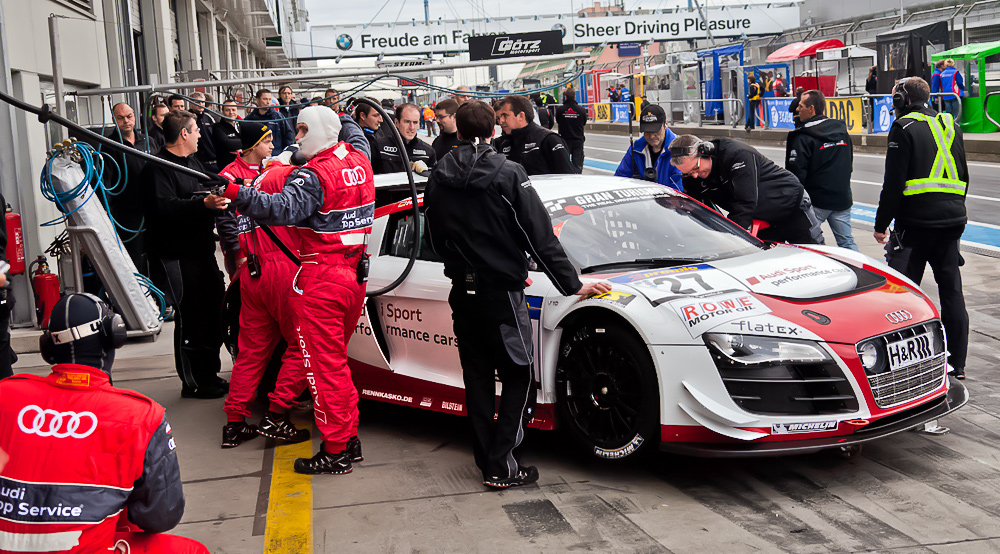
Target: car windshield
646, 226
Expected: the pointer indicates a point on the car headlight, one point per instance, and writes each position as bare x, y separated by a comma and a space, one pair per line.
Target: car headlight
871, 356
754, 350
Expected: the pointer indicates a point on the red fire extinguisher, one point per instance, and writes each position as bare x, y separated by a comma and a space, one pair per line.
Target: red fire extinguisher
15, 242
46, 287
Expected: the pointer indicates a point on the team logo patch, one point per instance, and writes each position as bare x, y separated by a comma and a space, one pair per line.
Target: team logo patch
33, 420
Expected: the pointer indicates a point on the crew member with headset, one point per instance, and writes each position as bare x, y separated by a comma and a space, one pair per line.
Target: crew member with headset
422, 156
572, 120
78, 442
649, 157
538, 150
482, 216
924, 189
749, 186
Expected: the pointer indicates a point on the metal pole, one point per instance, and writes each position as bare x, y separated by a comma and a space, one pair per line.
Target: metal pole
328, 75
57, 75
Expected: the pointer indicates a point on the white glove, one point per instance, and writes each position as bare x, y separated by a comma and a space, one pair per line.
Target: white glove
419, 166
285, 158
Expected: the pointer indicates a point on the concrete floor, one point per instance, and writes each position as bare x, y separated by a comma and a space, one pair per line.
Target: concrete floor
418, 489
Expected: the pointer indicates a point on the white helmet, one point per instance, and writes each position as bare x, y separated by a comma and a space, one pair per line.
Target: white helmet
324, 130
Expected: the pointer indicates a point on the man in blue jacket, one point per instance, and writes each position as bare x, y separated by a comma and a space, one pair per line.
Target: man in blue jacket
281, 129
951, 81
649, 158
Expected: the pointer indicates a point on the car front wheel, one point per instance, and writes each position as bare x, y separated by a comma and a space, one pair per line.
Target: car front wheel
606, 391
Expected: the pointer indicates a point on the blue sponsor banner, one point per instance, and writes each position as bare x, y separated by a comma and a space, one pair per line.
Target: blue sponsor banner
778, 116
884, 114
626, 49
619, 112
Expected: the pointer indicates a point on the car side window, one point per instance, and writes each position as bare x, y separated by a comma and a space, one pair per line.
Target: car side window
400, 237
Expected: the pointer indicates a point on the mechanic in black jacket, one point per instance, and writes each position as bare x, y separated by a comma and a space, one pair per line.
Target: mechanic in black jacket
482, 216
226, 135
123, 176
539, 150
181, 244
370, 121
745, 183
444, 113
206, 145
422, 157
926, 178
572, 120
821, 155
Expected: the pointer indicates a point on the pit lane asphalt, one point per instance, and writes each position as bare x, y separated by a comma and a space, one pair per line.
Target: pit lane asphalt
418, 489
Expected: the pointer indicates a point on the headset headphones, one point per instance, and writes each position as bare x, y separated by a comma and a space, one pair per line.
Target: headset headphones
109, 326
703, 149
900, 97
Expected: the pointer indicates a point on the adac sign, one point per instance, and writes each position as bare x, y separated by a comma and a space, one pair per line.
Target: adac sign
491, 47
848, 110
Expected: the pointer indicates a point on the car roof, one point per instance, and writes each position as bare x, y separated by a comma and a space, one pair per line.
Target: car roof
552, 187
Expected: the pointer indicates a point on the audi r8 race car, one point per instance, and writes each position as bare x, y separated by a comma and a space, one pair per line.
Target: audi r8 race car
711, 342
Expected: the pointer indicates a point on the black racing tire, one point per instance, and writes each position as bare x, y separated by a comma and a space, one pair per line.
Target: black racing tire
607, 394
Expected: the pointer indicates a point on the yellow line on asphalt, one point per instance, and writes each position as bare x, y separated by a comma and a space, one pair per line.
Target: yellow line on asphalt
289, 509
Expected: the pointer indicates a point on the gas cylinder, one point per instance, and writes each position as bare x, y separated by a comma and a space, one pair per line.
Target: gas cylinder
46, 287
15, 242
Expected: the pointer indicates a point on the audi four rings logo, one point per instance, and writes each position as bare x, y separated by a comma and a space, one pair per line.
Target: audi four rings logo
50, 423
353, 176
898, 316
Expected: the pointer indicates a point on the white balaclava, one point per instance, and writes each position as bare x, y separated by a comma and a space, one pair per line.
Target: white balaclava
324, 130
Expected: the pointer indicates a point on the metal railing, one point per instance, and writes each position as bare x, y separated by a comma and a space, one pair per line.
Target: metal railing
986, 111
868, 101
959, 98
735, 119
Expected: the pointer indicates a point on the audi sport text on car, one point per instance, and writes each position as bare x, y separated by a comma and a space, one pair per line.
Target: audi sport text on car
711, 342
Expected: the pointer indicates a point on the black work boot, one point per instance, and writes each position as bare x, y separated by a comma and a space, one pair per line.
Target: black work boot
278, 426
354, 449
236, 433
324, 462
524, 476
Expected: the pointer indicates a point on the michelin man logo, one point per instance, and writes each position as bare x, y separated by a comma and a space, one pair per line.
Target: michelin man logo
345, 42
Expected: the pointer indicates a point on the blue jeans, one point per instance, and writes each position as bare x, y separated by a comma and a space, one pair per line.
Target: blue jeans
840, 223
951, 106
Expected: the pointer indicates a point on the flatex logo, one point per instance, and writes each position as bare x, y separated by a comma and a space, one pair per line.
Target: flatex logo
504, 46
60, 425
898, 316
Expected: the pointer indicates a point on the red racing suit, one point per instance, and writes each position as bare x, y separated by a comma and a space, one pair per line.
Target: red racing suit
265, 310
331, 201
81, 451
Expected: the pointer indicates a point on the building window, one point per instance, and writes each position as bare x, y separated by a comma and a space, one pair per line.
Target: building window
83, 5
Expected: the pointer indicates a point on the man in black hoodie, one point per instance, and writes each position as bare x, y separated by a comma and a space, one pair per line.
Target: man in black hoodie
821, 155
539, 150
572, 120
482, 216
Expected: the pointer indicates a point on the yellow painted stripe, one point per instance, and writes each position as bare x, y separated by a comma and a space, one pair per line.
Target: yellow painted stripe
289, 510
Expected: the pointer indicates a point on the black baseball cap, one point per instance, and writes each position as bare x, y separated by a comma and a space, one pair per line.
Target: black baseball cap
651, 119
251, 133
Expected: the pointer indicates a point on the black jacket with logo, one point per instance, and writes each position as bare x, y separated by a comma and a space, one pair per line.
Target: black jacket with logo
389, 160
821, 155
483, 215
538, 150
206, 146
910, 155
747, 185
227, 140
444, 143
572, 120
127, 204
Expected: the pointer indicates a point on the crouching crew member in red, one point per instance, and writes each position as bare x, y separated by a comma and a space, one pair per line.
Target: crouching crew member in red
265, 281
331, 200
84, 452
482, 216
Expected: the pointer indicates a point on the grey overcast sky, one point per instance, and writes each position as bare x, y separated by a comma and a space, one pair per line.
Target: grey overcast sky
327, 12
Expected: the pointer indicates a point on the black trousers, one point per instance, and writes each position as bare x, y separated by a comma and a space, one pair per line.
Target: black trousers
943, 255
195, 287
576, 153
7, 355
751, 114
795, 230
494, 340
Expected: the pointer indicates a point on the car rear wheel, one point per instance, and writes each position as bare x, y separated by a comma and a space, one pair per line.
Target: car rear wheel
606, 391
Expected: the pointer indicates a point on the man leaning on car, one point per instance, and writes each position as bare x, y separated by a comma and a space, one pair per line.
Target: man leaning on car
749, 186
482, 216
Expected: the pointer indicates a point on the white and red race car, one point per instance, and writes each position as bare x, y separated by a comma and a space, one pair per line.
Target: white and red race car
711, 343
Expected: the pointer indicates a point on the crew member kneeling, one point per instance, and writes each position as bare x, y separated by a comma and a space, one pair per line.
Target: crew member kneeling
742, 181
331, 200
82, 450
482, 216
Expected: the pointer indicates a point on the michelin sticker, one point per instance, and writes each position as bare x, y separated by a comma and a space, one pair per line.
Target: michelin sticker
701, 314
617, 453
810, 427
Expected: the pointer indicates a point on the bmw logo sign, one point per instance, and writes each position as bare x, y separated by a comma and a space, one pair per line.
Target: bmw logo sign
560, 27
345, 42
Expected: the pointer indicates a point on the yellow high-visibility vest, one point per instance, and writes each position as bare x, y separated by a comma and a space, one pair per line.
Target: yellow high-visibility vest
944, 172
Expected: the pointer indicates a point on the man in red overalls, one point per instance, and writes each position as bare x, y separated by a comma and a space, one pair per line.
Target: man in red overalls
331, 200
265, 280
86, 457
